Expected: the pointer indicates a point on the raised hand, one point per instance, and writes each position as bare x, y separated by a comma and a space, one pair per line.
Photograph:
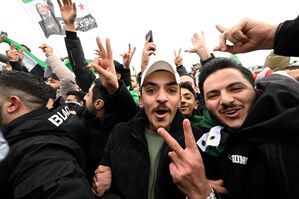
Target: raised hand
48, 50
248, 35
127, 57
178, 60
199, 46
104, 66
148, 50
68, 13
187, 168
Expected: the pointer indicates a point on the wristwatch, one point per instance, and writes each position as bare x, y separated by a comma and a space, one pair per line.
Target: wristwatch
212, 194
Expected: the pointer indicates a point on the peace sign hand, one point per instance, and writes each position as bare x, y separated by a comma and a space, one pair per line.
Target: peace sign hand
178, 60
105, 67
187, 168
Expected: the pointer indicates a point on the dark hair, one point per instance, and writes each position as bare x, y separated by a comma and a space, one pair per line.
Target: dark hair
51, 92
222, 63
53, 76
97, 90
28, 87
188, 86
98, 93
79, 95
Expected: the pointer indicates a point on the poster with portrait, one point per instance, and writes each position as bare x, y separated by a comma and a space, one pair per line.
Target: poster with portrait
46, 13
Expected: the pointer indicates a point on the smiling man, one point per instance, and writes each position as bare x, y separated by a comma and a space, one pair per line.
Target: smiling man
188, 100
257, 149
260, 129
230, 99
136, 154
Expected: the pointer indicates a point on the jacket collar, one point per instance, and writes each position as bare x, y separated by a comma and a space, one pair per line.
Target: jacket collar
16, 122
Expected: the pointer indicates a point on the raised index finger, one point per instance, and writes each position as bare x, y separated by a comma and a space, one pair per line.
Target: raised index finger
172, 143
222, 40
220, 28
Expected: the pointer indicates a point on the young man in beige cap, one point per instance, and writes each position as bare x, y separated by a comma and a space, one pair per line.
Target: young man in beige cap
137, 155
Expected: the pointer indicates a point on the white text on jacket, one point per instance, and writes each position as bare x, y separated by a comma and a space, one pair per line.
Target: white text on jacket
238, 159
60, 116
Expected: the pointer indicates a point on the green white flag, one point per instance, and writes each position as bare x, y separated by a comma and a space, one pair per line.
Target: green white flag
29, 60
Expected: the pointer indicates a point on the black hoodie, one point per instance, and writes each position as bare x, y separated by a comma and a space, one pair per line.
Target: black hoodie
261, 159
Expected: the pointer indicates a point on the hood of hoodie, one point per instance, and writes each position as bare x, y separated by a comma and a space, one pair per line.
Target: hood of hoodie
274, 115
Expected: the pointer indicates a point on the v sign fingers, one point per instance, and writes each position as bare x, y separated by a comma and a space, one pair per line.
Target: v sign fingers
105, 67
186, 168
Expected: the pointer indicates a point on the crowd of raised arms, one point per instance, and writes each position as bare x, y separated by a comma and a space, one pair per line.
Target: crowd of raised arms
93, 130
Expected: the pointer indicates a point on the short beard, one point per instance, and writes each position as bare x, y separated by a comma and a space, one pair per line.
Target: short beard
89, 115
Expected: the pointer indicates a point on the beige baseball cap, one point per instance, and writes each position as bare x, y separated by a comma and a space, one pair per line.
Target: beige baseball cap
160, 65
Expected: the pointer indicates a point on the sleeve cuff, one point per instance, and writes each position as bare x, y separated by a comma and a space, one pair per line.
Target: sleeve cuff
71, 35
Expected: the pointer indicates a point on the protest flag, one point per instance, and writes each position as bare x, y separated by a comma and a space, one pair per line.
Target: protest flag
46, 14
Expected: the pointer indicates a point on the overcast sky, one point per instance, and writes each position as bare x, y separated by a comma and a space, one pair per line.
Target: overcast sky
172, 21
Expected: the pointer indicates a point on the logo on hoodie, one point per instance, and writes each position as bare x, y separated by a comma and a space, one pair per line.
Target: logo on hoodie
238, 159
60, 116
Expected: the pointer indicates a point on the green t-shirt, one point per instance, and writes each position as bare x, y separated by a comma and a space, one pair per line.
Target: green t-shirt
155, 143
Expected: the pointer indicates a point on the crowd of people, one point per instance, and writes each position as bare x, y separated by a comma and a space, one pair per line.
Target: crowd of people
96, 131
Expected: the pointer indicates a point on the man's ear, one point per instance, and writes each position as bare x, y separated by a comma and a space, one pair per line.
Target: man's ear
196, 104
81, 103
13, 104
99, 104
118, 75
140, 101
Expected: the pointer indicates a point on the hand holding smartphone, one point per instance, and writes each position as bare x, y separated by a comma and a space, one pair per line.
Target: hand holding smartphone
149, 36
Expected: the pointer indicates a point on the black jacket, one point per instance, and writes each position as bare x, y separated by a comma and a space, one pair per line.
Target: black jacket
119, 107
261, 160
45, 157
84, 76
127, 155
287, 38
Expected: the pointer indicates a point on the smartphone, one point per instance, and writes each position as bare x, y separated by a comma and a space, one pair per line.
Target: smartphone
149, 35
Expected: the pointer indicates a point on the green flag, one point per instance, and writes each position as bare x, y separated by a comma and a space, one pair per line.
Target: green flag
29, 59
